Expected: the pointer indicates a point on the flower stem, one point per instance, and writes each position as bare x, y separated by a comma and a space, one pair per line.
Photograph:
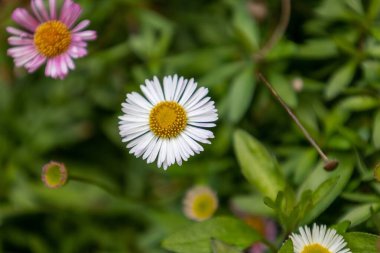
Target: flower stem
329, 164
278, 31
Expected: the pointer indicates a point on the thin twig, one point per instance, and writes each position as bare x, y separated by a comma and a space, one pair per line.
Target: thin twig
278, 31
329, 164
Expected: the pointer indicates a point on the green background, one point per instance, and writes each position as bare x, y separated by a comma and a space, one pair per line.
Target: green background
121, 204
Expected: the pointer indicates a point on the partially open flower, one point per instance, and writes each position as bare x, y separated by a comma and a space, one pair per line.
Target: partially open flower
54, 174
319, 239
376, 172
49, 36
200, 203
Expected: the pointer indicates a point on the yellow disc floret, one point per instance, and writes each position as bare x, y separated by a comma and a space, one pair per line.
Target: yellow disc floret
204, 206
167, 119
52, 38
315, 248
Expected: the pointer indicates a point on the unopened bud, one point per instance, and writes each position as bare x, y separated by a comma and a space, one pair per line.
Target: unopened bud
376, 172
54, 174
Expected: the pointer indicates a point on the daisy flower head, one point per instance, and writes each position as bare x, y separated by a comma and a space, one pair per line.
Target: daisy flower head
318, 240
49, 36
200, 203
167, 124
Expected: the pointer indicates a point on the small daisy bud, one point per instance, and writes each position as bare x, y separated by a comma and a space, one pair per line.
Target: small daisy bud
297, 84
200, 203
376, 172
54, 174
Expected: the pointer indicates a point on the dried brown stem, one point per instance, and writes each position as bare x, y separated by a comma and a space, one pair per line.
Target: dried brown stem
278, 31
329, 164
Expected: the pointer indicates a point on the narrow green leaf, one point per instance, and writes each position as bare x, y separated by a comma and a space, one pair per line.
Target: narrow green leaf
253, 204
221, 247
196, 238
257, 165
340, 80
318, 176
360, 214
287, 247
220, 74
245, 26
362, 242
342, 227
376, 130
359, 103
284, 89
324, 189
318, 49
241, 93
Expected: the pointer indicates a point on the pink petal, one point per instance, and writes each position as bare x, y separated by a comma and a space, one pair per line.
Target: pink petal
86, 35
71, 14
51, 69
40, 10
21, 16
17, 41
20, 51
53, 12
83, 24
35, 64
18, 32
23, 60
77, 52
69, 61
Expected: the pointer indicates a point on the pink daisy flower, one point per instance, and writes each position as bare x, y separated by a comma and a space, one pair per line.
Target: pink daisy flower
50, 36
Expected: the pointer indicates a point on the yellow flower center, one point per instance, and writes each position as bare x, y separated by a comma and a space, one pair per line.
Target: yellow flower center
167, 119
315, 248
52, 38
204, 206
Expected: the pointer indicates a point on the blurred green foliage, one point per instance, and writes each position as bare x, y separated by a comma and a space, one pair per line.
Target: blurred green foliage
120, 204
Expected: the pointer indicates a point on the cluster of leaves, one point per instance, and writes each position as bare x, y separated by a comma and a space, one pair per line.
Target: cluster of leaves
332, 46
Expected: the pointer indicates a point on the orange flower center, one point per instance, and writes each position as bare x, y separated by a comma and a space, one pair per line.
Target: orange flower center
52, 38
315, 248
167, 119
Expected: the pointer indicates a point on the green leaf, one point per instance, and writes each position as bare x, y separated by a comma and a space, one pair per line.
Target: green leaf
376, 130
318, 49
284, 89
252, 204
359, 103
340, 80
241, 94
287, 247
324, 189
220, 74
196, 238
318, 176
257, 165
362, 242
360, 214
342, 227
245, 26
221, 247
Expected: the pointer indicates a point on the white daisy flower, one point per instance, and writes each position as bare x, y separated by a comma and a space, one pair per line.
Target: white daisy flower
167, 124
318, 240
